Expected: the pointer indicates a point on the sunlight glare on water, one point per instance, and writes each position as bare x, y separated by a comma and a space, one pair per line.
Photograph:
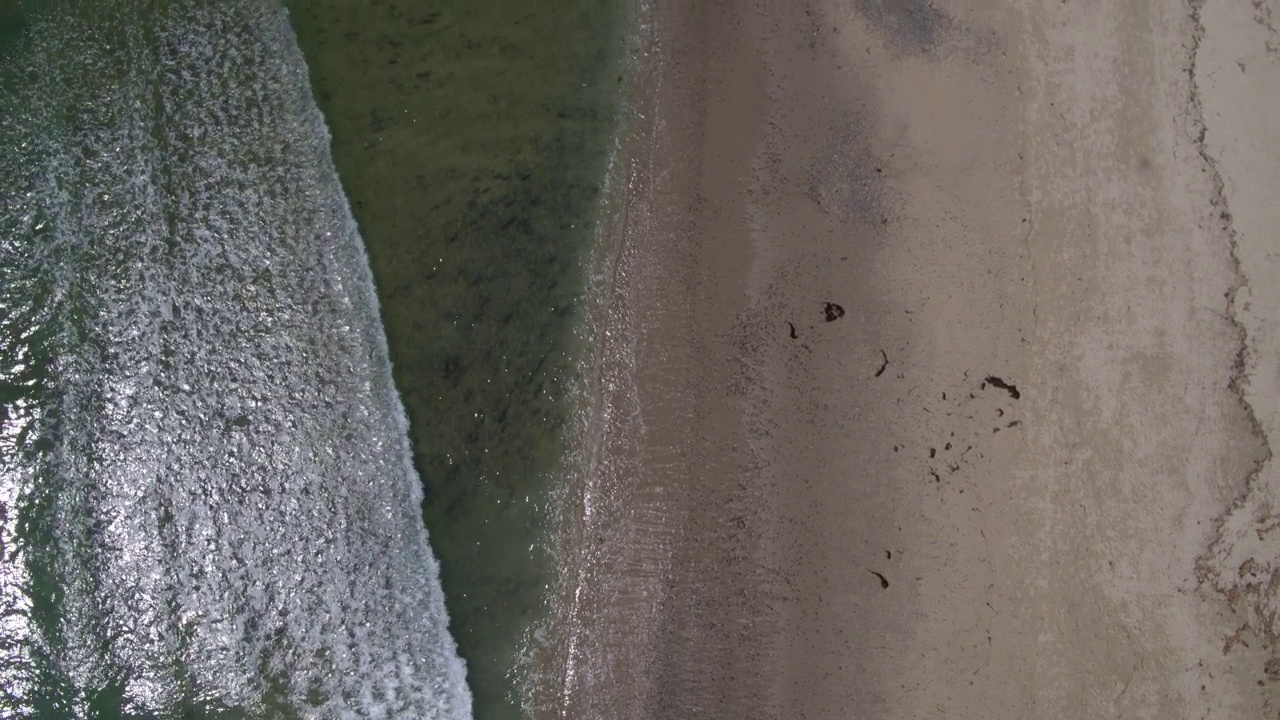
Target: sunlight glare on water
207, 504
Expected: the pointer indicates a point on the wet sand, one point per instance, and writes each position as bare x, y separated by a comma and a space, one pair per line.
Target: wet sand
938, 367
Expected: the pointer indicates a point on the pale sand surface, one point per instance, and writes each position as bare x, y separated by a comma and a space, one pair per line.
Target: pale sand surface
1079, 199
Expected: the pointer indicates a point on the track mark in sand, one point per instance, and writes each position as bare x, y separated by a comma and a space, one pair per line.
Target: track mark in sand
884, 581
794, 335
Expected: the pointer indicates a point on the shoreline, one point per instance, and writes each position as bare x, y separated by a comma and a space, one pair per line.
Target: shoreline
647, 597
987, 485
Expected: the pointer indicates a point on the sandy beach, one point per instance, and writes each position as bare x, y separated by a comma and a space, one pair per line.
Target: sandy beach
937, 349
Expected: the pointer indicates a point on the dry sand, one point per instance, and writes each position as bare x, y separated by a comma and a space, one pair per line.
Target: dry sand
1026, 472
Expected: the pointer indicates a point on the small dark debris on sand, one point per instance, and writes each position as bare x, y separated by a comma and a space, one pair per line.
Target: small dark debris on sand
1008, 387
832, 311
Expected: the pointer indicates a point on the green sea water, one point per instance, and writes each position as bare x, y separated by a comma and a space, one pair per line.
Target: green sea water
471, 139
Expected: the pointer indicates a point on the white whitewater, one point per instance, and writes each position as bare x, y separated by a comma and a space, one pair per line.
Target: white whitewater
207, 502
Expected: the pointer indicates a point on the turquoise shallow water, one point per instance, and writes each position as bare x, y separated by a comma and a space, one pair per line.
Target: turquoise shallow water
207, 501
472, 140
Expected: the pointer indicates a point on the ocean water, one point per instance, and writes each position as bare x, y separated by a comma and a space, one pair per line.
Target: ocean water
473, 140
208, 506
